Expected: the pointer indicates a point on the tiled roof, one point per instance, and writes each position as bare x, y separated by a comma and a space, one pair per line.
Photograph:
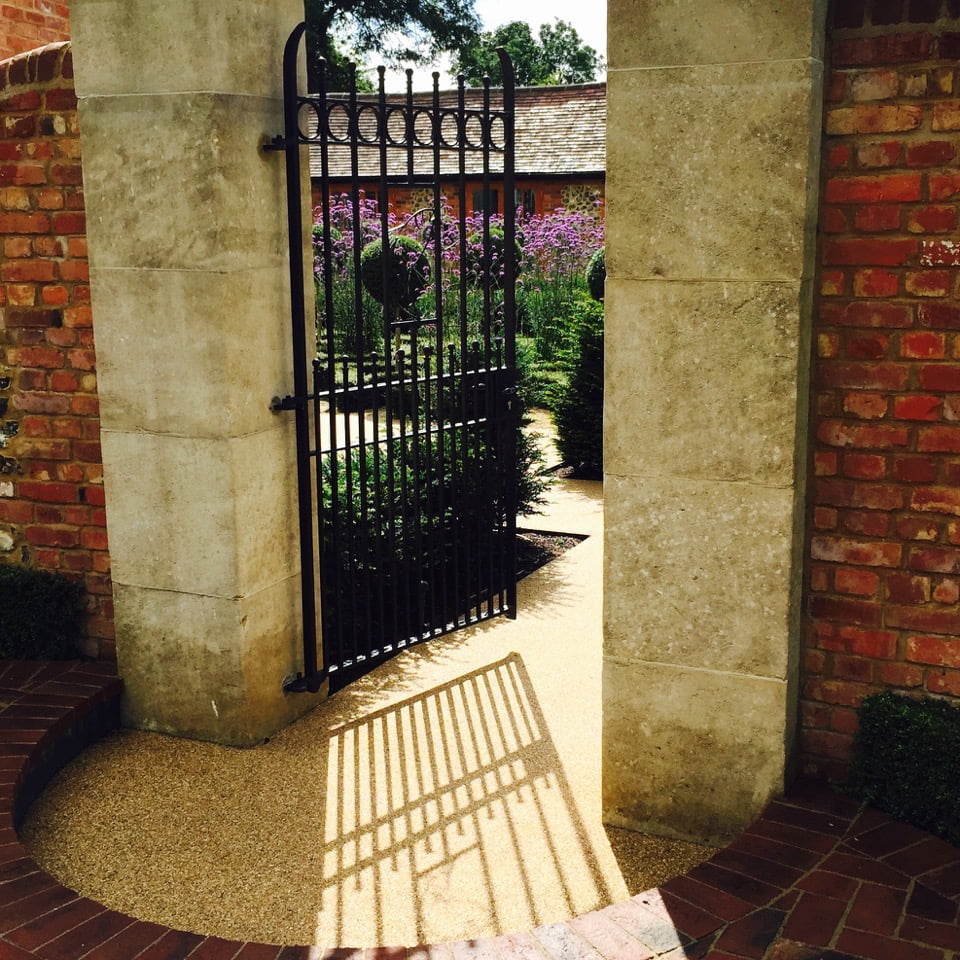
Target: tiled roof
559, 131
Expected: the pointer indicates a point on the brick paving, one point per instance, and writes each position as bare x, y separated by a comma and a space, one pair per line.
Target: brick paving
816, 877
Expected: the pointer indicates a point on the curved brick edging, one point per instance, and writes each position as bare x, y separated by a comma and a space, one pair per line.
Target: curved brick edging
813, 872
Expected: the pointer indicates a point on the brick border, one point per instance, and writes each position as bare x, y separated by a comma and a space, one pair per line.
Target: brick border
814, 878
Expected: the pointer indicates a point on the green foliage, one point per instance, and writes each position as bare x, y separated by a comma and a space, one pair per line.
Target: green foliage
570, 60
531, 482
906, 761
539, 381
552, 253
596, 274
408, 271
578, 407
41, 614
398, 30
408, 509
556, 55
351, 334
556, 248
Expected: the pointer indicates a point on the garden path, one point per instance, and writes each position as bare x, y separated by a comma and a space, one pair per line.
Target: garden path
452, 793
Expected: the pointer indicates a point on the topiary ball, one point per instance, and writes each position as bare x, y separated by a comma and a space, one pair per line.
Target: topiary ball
408, 271
596, 274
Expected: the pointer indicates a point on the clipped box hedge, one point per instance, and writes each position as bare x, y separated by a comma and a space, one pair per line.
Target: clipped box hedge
41, 615
906, 761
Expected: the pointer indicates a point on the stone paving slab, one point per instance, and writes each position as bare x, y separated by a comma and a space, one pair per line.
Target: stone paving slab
816, 877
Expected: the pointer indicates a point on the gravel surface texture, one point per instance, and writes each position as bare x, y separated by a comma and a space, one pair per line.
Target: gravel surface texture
452, 793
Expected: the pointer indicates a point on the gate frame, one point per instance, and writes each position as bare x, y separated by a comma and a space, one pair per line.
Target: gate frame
305, 400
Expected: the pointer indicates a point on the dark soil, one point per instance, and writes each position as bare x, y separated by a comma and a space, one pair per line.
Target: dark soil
534, 549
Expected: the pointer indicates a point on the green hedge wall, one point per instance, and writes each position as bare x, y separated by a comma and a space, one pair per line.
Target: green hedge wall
41, 615
906, 761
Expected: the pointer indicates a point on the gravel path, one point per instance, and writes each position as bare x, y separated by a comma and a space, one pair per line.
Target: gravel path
452, 793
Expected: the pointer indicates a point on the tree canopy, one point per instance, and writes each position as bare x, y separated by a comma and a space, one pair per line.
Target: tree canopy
556, 55
411, 31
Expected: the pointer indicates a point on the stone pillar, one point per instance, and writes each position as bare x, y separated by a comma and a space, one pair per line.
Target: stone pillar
712, 172
188, 254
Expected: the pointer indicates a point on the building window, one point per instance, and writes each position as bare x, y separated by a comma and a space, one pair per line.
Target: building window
493, 204
525, 201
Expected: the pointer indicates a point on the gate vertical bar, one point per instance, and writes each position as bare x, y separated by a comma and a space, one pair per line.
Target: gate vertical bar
369, 539
308, 572
510, 321
458, 437
330, 530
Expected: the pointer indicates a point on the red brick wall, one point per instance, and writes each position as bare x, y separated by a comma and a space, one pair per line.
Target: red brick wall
51, 480
884, 528
28, 24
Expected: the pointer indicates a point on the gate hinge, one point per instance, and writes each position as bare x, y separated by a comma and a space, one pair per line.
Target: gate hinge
302, 684
276, 143
289, 402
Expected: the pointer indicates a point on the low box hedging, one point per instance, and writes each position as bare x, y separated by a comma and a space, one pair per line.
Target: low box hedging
578, 404
41, 615
906, 761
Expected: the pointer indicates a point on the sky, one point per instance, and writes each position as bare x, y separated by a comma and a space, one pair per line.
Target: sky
588, 19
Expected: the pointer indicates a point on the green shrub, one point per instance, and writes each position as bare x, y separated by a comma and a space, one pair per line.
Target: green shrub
41, 614
531, 482
578, 404
406, 513
408, 272
596, 274
906, 761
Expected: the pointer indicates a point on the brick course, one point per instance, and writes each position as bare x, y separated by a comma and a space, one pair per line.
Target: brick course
884, 568
28, 24
51, 494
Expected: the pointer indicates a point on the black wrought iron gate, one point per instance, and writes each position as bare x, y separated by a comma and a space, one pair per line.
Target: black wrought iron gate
406, 419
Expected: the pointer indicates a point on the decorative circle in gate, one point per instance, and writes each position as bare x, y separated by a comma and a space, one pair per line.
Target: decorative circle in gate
308, 120
338, 123
473, 131
449, 128
497, 133
396, 126
368, 123
423, 128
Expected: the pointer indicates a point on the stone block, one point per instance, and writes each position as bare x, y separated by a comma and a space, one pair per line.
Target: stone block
179, 47
180, 182
690, 753
706, 575
211, 668
211, 517
192, 353
645, 33
707, 380
712, 172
